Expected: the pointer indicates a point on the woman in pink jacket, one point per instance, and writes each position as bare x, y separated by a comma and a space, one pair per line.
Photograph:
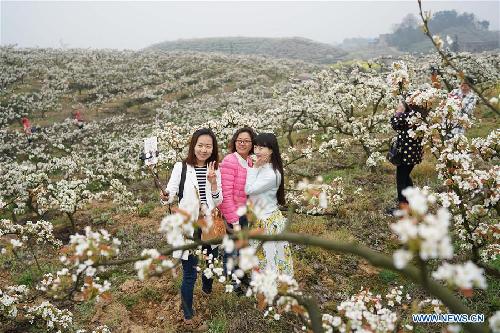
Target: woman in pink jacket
233, 169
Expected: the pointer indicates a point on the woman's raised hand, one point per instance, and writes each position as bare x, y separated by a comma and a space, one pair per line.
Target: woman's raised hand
262, 159
164, 195
211, 176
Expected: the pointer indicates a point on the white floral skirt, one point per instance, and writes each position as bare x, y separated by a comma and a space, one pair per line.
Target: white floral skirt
276, 256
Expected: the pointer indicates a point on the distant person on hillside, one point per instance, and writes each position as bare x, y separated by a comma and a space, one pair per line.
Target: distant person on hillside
435, 73
27, 128
78, 119
468, 100
26, 125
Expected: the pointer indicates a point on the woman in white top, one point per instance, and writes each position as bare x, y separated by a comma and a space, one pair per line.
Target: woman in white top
202, 187
265, 188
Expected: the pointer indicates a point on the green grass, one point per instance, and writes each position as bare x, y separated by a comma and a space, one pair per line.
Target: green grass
60, 221
219, 324
103, 219
117, 276
387, 276
129, 300
145, 209
178, 282
151, 294
30, 275
95, 186
493, 291
346, 174
85, 311
309, 225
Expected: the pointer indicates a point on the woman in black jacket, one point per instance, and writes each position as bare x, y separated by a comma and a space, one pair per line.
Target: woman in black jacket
411, 148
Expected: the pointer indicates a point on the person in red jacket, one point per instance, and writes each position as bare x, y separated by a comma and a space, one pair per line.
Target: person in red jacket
79, 119
26, 125
28, 130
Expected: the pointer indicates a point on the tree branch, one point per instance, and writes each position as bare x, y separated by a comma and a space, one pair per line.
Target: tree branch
375, 258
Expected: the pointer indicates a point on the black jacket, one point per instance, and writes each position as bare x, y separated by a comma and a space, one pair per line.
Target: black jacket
411, 148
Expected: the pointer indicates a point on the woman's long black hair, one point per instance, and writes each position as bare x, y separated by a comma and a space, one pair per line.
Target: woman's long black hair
269, 140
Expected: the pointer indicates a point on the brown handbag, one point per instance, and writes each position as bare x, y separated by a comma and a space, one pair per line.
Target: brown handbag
216, 230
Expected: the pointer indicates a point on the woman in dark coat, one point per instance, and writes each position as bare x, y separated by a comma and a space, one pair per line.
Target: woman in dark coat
411, 148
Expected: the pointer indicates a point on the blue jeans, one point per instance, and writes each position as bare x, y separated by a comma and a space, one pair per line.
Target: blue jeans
234, 255
189, 279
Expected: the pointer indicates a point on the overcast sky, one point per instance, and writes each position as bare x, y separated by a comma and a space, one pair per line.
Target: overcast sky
137, 24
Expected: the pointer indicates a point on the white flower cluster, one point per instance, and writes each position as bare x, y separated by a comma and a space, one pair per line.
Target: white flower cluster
495, 322
399, 77
274, 292
316, 197
81, 257
248, 259
177, 227
331, 145
98, 329
423, 233
347, 104
122, 197
469, 172
10, 298
423, 97
485, 147
438, 41
154, 264
86, 250
375, 159
464, 276
7, 227
431, 306
54, 319
396, 297
56, 286
212, 268
365, 312
40, 232
70, 195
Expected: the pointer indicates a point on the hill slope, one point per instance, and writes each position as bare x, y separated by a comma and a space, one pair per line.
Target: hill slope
292, 48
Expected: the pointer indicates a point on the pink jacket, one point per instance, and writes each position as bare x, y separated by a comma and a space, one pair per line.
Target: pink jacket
234, 177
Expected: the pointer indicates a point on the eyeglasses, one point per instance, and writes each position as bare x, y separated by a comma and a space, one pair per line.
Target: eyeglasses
244, 142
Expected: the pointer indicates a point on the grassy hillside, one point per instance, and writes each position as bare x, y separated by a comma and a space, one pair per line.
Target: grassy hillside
293, 48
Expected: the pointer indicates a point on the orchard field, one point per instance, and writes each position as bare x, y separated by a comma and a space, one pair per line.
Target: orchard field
85, 245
